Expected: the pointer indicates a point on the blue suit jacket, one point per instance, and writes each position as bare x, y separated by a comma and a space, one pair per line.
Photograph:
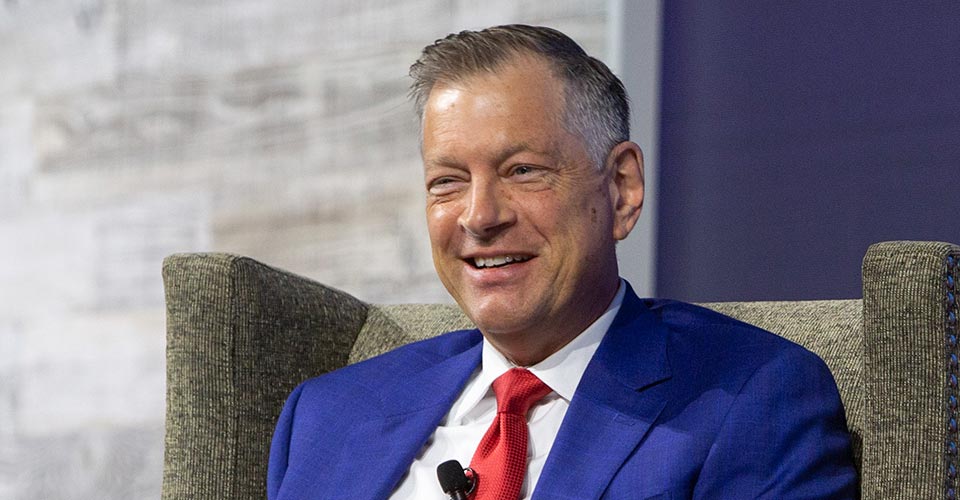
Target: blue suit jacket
677, 402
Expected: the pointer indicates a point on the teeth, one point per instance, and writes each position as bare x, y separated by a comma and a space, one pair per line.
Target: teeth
498, 261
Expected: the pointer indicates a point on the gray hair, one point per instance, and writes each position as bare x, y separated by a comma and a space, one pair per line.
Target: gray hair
596, 104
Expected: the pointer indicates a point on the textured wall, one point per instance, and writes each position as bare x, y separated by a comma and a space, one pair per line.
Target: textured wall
130, 130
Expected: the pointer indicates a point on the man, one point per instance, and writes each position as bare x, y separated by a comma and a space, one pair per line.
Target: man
531, 180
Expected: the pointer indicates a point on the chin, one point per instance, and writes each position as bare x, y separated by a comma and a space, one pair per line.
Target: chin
500, 319
499, 327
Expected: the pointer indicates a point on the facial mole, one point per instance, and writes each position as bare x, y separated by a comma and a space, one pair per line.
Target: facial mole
593, 214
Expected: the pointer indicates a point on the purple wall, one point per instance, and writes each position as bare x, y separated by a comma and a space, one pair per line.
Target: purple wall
795, 134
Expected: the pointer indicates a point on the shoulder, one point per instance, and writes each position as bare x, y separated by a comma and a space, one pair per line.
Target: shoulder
711, 344
768, 407
361, 380
698, 325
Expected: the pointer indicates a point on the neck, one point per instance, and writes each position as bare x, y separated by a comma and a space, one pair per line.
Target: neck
529, 347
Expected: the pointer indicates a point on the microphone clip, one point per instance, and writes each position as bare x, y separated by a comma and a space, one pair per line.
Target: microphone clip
455, 480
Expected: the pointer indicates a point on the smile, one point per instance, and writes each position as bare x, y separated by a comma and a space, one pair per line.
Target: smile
482, 262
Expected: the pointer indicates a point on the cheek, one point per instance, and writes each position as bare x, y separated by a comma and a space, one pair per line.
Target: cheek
584, 225
441, 224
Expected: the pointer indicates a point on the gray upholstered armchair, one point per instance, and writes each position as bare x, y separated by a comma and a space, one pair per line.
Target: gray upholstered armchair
241, 335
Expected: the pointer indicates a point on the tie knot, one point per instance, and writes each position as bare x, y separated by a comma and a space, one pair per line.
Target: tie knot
517, 390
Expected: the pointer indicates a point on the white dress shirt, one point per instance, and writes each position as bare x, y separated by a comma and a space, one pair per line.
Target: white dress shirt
473, 411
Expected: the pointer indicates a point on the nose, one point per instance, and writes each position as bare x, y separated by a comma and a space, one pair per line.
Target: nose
488, 210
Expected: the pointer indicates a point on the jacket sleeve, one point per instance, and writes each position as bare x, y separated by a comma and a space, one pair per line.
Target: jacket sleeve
785, 436
280, 446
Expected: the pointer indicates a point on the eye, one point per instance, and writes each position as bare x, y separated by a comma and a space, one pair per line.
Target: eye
443, 185
522, 170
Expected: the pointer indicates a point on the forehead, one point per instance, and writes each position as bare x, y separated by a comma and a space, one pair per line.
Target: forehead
522, 101
523, 81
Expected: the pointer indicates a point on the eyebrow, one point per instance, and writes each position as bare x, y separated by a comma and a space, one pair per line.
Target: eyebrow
500, 158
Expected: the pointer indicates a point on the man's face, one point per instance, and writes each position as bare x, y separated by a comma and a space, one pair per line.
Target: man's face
521, 223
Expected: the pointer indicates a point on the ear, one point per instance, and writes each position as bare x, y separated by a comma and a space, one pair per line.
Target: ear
625, 168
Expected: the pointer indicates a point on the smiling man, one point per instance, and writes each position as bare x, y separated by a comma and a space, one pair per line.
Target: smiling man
571, 386
522, 222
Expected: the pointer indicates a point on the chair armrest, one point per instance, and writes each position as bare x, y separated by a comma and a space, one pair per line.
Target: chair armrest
909, 369
240, 336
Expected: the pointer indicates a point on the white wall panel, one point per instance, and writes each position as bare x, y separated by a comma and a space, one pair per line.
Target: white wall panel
131, 129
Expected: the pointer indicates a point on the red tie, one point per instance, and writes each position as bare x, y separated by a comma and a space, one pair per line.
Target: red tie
501, 458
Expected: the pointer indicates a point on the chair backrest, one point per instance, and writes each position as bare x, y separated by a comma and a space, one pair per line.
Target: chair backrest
241, 335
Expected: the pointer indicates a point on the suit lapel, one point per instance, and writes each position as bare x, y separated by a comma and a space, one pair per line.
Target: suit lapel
611, 410
413, 407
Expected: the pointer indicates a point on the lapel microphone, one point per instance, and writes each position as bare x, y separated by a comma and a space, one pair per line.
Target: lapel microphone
454, 480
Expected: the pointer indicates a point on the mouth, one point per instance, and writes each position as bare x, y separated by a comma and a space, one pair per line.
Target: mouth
497, 261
